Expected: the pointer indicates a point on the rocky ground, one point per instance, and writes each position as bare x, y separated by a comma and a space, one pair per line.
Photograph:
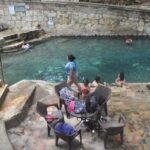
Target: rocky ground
133, 101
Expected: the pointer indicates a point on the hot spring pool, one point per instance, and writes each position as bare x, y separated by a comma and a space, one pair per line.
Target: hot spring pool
95, 56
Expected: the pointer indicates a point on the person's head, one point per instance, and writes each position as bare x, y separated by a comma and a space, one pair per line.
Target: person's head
98, 79
71, 57
121, 76
38, 26
85, 82
24, 42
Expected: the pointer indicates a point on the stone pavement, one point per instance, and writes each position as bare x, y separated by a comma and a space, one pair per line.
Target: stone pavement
133, 101
4, 141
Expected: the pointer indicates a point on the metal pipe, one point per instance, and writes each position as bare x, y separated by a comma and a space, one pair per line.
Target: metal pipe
2, 73
1, 64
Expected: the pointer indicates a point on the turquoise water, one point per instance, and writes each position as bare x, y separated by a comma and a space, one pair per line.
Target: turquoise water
95, 56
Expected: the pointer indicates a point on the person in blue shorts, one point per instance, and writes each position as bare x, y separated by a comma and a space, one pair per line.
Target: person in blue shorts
71, 72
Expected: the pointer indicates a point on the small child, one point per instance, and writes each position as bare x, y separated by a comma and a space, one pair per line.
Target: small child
96, 82
85, 89
120, 81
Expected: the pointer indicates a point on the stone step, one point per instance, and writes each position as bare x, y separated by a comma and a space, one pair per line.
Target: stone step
14, 41
10, 36
11, 41
12, 47
16, 105
3, 92
4, 140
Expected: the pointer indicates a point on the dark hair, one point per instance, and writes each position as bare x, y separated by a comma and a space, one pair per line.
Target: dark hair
121, 76
98, 79
71, 57
86, 81
38, 26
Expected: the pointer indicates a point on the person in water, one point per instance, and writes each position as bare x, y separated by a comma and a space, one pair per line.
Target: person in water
71, 71
25, 46
128, 41
120, 80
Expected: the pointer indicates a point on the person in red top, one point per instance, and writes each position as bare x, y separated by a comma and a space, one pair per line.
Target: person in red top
85, 88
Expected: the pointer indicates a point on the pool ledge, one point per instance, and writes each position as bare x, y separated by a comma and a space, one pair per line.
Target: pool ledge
16, 46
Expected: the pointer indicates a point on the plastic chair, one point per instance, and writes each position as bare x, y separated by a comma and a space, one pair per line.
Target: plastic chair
102, 93
70, 138
42, 110
58, 87
112, 127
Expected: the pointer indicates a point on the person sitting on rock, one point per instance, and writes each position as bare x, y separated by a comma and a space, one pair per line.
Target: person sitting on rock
96, 82
120, 80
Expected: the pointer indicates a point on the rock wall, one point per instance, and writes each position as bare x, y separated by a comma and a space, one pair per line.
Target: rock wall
117, 2
71, 19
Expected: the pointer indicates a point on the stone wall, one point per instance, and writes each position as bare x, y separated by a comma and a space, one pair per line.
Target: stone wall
77, 18
118, 2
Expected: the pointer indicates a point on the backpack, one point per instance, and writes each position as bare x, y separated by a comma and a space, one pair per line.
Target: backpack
91, 104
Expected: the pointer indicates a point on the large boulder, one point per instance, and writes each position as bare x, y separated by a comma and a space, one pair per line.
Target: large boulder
17, 104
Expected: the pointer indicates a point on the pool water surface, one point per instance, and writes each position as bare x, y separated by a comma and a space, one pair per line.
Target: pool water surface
94, 56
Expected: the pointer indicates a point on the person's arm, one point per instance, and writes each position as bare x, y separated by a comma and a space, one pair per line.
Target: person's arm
117, 80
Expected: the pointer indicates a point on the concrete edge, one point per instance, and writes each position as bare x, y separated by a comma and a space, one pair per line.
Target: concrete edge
16, 45
4, 93
16, 120
5, 143
90, 4
48, 36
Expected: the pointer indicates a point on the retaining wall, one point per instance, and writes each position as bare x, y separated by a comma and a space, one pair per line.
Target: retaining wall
74, 19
